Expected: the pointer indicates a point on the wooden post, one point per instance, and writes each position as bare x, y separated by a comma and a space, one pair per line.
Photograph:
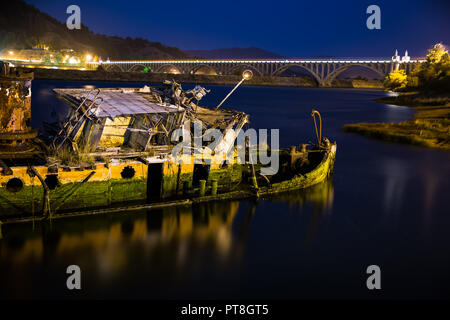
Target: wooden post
202, 188
178, 179
109, 186
214, 187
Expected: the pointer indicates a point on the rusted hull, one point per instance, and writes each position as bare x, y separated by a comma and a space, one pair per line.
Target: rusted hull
107, 191
301, 181
101, 185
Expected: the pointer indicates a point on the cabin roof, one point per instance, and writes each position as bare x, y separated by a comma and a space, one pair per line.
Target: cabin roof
118, 102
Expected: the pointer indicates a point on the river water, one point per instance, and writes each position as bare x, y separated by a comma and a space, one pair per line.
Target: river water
386, 205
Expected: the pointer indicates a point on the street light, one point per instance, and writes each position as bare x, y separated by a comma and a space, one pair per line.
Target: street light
246, 75
88, 57
11, 53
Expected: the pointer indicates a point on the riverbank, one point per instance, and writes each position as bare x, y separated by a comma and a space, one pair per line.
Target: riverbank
430, 126
88, 75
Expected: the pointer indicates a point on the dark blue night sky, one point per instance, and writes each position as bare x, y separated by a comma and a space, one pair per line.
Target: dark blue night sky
289, 28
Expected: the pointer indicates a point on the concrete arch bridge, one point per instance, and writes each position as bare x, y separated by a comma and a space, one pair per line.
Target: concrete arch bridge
324, 71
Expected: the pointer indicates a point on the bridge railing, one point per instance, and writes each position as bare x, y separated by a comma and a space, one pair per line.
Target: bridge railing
291, 60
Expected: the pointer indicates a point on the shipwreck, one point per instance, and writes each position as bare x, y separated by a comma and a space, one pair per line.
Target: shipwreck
120, 147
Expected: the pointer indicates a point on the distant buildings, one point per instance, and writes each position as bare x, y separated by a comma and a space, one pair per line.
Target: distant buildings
398, 59
42, 55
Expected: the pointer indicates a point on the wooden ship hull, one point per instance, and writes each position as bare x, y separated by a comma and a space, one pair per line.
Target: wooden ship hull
116, 150
103, 189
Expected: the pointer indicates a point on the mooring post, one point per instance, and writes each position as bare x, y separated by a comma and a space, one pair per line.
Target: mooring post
202, 188
214, 187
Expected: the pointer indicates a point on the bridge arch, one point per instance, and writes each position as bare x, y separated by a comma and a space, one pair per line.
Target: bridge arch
168, 67
243, 67
286, 67
137, 67
198, 67
335, 73
112, 67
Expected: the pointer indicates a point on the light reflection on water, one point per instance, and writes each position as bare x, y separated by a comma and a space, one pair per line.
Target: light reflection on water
176, 243
395, 184
387, 204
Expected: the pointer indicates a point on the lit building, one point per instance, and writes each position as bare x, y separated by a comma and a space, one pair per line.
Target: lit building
406, 57
396, 57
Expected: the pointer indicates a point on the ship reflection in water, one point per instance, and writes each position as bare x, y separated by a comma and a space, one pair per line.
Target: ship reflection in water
173, 252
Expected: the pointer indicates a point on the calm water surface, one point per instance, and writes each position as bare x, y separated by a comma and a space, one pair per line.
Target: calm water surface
387, 204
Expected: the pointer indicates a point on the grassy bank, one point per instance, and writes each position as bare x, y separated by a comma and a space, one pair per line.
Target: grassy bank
430, 126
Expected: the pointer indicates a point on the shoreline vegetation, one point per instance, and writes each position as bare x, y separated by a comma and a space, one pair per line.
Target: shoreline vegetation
430, 126
107, 76
427, 90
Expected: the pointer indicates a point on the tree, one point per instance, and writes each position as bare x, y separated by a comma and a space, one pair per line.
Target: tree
58, 58
396, 80
437, 54
47, 59
413, 77
434, 73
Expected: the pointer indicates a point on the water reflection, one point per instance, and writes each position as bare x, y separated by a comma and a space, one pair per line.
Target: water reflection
388, 205
395, 183
321, 196
171, 245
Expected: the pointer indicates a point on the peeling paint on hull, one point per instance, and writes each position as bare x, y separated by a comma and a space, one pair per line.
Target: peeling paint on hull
105, 187
100, 197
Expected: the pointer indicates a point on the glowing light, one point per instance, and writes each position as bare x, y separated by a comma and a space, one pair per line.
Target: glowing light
73, 60
88, 57
247, 74
11, 53
392, 94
